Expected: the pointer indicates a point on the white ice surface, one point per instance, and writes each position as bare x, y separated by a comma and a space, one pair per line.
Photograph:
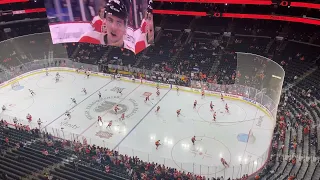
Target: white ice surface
137, 134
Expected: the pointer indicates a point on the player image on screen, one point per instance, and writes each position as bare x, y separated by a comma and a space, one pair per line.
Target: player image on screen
147, 30
122, 23
114, 25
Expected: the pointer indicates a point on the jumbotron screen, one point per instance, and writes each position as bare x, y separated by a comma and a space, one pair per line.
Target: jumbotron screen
122, 23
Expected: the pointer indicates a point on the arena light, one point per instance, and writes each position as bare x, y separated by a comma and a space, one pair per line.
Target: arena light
184, 13
250, 2
253, 2
12, 1
244, 16
305, 5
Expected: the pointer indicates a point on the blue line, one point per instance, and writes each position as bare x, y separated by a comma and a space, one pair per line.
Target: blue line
140, 120
78, 103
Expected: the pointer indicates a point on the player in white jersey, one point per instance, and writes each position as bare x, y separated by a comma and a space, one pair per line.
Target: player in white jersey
119, 90
15, 120
227, 108
84, 90
88, 74
195, 104
214, 116
157, 110
211, 106
39, 122
74, 100
32, 92
4, 108
47, 72
68, 114
158, 92
57, 79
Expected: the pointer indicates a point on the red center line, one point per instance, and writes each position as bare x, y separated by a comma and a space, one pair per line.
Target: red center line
107, 111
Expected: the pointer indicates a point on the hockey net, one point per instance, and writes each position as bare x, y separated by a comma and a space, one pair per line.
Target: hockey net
15, 85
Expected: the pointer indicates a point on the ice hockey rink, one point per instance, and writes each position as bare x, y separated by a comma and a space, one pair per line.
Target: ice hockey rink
228, 137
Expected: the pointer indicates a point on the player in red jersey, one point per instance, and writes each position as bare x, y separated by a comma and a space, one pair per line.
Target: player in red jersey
157, 143
116, 108
202, 93
211, 106
193, 139
158, 108
100, 119
195, 104
224, 162
147, 99
214, 116
29, 118
109, 124
122, 116
178, 112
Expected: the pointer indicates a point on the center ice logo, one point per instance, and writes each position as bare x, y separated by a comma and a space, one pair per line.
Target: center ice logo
129, 107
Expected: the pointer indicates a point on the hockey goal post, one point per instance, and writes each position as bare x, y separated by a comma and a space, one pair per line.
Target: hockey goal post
15, 85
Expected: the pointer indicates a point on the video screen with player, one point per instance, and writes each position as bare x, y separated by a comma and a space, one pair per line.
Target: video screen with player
122, 23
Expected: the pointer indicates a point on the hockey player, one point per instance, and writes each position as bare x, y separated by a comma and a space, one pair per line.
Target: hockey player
4, 108
211, 106
178, 112
99, 119
47, 72
74, 100
193, 139
119, 90
109, 124
122, 116
202, 93
158, 108
116, 108
227, 108
147, 99
87, 74
214, 116
84, 90
32, 92
195, 104
39, 122
29, 117
177, 88
158, 92
221, 97
57, 78
68, 114
224, 162
15, 120
99, 94
157, 143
